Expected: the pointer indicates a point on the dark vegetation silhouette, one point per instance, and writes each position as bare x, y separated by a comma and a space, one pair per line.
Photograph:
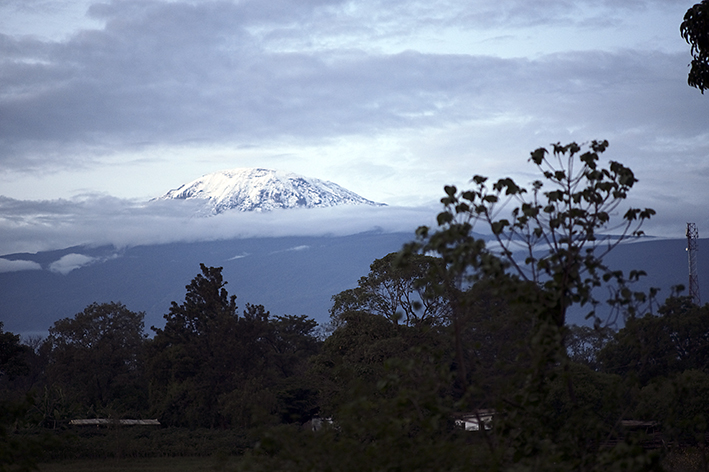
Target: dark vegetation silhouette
449, 331
695, 30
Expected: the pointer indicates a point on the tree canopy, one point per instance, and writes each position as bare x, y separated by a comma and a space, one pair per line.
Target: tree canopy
695, 30
395, 289
12, 361
96, 356
211, 367
674, 340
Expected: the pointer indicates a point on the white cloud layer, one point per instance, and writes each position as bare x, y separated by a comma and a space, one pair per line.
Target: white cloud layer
18, 265
30, 226
70, 262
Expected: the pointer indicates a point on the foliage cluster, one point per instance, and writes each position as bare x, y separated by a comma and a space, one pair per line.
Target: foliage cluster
211, 367
695, 30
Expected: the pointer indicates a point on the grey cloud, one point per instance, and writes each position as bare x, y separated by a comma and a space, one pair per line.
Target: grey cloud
210, 72
380, 19
297, 94
185, 73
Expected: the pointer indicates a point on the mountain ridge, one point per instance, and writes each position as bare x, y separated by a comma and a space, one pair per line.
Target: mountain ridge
288, 275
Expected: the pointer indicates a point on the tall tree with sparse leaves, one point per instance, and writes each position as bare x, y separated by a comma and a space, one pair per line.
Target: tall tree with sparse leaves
548, 254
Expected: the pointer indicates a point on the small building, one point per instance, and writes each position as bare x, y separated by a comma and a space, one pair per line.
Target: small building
111, 422
317, 423
472, 421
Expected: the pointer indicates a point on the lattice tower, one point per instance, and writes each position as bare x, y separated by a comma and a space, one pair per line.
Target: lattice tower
692, 248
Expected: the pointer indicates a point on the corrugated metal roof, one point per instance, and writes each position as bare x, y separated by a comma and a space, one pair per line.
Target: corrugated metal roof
106, 421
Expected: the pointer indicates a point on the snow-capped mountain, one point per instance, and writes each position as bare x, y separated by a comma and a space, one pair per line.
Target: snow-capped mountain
254, 189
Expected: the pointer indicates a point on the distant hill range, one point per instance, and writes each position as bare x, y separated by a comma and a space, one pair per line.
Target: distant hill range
288, 275
254, 189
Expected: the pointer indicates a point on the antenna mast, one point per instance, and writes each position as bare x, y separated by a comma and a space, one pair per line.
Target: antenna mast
692, 236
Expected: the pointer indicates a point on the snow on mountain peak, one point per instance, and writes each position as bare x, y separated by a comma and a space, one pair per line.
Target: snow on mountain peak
256, 189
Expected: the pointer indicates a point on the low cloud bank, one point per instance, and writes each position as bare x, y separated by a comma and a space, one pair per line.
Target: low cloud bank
18, 265
70, 262
33, 226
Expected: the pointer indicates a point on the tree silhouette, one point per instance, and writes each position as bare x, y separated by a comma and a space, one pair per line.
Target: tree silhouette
695, 30
96, 357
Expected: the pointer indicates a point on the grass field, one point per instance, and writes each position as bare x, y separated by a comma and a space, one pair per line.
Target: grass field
155, 464
687, 460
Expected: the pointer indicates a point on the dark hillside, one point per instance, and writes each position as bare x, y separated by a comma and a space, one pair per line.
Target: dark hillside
288, 275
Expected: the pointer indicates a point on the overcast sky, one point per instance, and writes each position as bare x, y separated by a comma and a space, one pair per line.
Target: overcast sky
106, 105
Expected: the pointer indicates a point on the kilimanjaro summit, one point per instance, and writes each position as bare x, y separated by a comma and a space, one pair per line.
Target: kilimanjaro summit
256, 189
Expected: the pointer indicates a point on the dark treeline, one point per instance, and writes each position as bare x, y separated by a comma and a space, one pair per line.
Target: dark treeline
210, 366
445, 331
